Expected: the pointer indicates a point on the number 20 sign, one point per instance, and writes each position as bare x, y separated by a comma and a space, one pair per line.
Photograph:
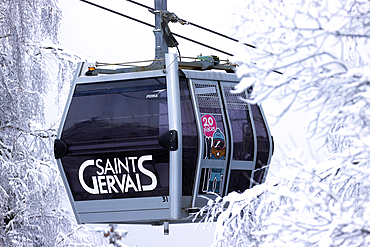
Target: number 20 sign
209, 125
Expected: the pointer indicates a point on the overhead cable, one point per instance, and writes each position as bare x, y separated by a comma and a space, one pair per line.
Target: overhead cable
206, 29
150, 25
199, 43
220, 34
142, 5
198, 26
117, 13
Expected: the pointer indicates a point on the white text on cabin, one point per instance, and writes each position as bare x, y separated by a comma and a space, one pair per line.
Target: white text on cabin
119, 179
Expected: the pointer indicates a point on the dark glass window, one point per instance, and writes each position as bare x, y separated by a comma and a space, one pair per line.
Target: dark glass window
239, 180
117, 112
263, 144
242, 134
189, 139
115, 126
241, 126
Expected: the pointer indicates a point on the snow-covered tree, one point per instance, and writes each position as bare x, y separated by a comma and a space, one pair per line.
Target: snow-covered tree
314, 54
115, 235
31, 192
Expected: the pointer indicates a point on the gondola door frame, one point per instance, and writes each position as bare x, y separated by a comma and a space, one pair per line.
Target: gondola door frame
59, 134
142, 210
174, 122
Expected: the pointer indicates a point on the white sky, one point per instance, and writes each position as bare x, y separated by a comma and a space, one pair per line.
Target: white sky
106, 37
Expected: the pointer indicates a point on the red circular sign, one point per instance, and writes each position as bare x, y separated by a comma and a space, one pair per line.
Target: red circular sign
209, 125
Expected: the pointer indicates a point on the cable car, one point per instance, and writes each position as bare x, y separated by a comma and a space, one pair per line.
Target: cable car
150, 147
151, 144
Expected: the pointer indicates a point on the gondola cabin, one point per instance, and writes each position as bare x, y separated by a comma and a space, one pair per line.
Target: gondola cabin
149, 147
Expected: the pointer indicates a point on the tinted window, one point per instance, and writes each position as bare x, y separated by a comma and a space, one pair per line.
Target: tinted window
263, 144
239, 180
189, 139
112, 132
241, 127
115, 113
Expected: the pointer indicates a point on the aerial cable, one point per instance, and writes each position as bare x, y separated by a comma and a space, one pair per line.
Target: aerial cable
117, 13
199, 43
198, 26
150, 25
220, 34
142, 5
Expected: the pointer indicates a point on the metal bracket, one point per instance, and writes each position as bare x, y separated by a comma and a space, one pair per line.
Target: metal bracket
60, 148
167, 17
169, 140
166, 228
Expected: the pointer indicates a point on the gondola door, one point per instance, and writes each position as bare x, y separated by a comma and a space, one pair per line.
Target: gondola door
235, 144
250, 140
214, 140
241, 166
113, 166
